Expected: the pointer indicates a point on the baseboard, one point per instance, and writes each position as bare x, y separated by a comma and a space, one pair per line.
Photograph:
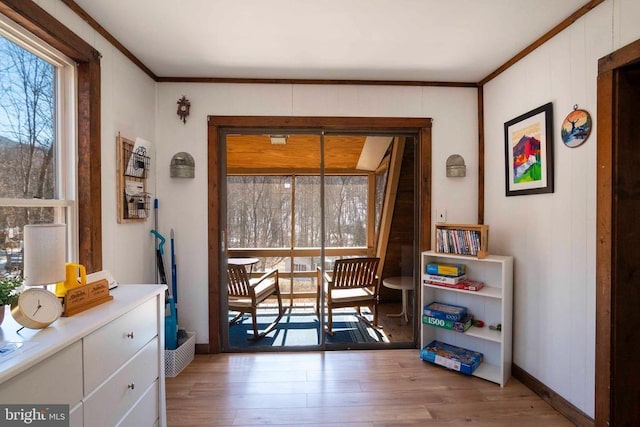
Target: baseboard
202, 348
556, 401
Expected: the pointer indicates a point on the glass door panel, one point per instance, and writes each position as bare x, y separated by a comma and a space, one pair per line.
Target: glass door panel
274, 217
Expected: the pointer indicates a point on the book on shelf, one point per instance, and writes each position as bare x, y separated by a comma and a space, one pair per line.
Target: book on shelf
453, 241
451, 356
445, 279
445, 311
465, 284
460, 326
439, 269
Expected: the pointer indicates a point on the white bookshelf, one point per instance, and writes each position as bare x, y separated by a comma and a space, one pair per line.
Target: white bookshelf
492, 304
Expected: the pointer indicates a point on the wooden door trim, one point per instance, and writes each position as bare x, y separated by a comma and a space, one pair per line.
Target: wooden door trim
606, 168
421, 127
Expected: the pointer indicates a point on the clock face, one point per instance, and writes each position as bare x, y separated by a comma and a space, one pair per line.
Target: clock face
39, 306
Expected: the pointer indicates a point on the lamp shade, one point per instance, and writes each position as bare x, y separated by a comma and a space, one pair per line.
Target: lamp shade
44, 254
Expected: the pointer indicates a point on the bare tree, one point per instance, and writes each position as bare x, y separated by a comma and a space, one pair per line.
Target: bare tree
27, 99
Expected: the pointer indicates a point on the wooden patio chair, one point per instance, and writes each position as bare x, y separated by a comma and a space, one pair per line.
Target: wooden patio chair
353, 283
245, 294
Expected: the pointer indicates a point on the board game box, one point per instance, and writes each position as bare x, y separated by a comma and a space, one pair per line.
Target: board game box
437, 278
460, 326
465, 284
446, 269
445, 311
452, 357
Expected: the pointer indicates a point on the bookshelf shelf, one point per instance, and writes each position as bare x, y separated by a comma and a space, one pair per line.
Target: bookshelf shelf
486, 291
468, 240
493, 304
485, 333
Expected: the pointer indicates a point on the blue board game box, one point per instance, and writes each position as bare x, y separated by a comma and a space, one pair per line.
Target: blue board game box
452, 357
445, 311
452, 270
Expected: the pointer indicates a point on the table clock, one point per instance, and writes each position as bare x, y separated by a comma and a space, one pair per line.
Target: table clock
36, 308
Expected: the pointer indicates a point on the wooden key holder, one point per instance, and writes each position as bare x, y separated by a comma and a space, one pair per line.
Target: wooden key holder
85, 297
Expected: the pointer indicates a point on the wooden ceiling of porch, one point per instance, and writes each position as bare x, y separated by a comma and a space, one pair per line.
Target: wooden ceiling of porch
251, 153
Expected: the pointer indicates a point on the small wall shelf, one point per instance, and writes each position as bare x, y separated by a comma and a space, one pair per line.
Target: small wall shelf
463, 239
132, 170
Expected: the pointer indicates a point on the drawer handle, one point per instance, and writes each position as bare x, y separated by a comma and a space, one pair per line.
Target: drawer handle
130, 335
131, 386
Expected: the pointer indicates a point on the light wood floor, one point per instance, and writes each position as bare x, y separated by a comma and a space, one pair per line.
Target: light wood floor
344, 388
395, 328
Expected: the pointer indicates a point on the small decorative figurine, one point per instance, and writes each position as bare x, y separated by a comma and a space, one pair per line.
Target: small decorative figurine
183, 108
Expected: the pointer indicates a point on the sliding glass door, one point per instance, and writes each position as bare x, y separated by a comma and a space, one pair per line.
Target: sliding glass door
295, 203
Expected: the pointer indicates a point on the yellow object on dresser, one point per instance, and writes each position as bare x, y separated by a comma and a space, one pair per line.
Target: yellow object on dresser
71, 278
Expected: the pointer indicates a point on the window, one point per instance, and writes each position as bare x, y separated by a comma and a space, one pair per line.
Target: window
259, 211
346, 210
37, 141
382, 175
307, 212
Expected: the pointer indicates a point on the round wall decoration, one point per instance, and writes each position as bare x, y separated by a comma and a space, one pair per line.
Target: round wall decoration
576, 127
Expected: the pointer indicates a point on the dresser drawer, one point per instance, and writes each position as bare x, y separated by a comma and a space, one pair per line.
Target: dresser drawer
113, 399
146, 411
55, 380
108, 348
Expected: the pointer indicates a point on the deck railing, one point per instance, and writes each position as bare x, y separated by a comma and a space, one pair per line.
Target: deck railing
296, 268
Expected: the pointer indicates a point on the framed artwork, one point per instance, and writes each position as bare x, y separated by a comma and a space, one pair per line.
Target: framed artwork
576, 128
528, 144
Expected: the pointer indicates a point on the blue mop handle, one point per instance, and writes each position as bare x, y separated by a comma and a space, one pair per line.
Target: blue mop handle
174, 273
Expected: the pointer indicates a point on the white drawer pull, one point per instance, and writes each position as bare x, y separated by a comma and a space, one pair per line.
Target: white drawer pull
130, 335
131, 386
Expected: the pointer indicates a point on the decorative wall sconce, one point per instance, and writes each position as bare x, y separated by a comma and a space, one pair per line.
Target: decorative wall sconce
182, 165
183, 108
456, 167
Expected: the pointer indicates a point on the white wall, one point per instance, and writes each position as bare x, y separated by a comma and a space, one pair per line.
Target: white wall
129, 107
552, 236
183, 202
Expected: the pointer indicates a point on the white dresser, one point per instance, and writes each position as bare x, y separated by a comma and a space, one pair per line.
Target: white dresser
106, 363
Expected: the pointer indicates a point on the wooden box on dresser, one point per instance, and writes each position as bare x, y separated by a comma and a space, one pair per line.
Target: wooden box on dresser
106, 363
492, 304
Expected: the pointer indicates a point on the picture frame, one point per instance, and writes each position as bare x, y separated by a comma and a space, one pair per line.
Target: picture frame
576, 128
528, 143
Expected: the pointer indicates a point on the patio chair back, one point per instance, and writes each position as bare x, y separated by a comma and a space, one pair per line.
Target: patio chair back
355, 273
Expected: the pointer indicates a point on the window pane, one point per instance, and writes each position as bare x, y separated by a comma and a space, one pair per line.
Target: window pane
27, 124
346, 211
259, 211
381, 187
307, 212
12, 222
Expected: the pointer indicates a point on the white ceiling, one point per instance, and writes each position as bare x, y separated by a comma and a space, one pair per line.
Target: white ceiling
422, 40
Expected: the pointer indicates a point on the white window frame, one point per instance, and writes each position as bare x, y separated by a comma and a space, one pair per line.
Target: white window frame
65, 204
